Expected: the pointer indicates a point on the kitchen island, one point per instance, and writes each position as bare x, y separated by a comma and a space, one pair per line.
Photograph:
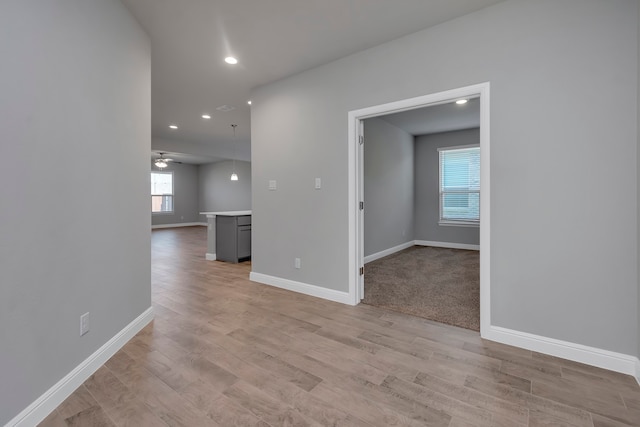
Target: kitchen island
228, 235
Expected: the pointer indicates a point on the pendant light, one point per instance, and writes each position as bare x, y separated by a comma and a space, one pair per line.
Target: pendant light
234, 175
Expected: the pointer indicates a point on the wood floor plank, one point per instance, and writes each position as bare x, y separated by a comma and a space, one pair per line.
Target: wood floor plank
291, 373
169, 406
508, 410
542, 419
270, 410
225, 351
568, 414
119, 402
465, 366
79, 401
363, 370
600, 421
584, 398
54, 419
367, 410
227, 413
383, 360
90, 417
461, 411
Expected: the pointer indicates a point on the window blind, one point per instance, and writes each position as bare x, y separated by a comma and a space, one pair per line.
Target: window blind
460, 184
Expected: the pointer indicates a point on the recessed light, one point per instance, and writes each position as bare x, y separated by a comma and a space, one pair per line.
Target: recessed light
173, 126
225, 108
249, 102
231, 60
206, 116
461, 101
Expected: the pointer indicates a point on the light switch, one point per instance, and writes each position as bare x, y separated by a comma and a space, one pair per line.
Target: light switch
272, 184
318, 183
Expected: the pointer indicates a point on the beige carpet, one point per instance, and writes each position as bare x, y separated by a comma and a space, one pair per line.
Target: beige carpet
435, 283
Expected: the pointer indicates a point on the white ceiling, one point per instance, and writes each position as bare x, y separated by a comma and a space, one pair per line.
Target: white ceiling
437, 118
272, 39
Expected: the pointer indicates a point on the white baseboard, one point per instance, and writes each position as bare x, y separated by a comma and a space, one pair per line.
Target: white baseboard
303, 288
45, 404
447, 245
388, 252
180, 224
605, 359
210, 257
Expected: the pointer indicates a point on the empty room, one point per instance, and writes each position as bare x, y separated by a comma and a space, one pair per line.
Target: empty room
422, 212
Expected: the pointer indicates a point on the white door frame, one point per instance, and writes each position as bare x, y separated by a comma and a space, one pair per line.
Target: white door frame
356, 167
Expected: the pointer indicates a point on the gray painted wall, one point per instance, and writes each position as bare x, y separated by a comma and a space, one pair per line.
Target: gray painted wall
186, 196
564, 79
218, 193
638, 178
74, 224
427, 204
388, 186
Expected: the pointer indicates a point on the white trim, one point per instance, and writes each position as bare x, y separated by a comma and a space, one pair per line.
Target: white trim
226, 213
303, 288
485, 211
210, 257
605, 359
45, 404
458, 147
354, 121
388, 252
453, 223
449, 245
637, 375
355, 257
180, 224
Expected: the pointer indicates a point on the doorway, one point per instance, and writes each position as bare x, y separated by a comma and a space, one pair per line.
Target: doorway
356, 186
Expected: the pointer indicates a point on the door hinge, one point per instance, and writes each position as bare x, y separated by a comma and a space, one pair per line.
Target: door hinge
362, 271
361, 139
361, 205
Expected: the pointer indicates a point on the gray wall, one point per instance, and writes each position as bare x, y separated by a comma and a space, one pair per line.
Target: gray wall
186, 196
564, 237
218, 193
75, 115
388, 186
427, 204
638, 178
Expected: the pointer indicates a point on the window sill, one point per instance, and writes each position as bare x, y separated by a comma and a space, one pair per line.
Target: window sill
459, 223
162, 213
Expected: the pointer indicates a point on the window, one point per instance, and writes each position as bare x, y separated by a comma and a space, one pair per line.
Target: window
460, 185
161, 192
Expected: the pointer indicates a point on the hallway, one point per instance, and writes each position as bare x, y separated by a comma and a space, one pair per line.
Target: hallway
226, 351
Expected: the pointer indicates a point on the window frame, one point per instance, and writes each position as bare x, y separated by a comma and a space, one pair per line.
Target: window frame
448, 221
172, 195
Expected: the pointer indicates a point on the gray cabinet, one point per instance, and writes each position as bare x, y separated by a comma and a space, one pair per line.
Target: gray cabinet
233, 238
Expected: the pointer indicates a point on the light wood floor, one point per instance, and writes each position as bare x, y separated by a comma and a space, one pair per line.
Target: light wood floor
223, 351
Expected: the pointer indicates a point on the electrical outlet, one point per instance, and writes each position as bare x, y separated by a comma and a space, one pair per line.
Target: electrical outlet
318, 183
273, 185
296, 262
84, 323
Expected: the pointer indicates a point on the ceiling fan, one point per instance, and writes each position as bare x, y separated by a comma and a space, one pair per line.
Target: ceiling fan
162, 162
